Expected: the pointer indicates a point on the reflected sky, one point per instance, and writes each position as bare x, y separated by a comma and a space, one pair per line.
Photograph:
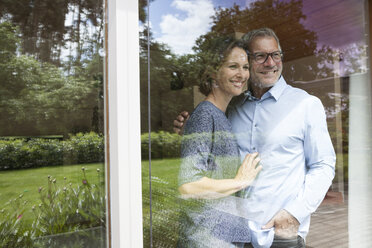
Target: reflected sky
337, 23
178, 23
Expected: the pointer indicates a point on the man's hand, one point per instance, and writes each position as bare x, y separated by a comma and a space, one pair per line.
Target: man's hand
180, 121
286, 226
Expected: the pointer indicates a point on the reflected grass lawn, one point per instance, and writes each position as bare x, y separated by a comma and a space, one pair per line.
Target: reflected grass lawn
165, 210
26, 182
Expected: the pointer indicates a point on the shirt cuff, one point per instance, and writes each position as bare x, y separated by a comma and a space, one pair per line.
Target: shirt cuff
298, 209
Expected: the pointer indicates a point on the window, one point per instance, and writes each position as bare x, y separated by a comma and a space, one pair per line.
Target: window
52, 166
326, 53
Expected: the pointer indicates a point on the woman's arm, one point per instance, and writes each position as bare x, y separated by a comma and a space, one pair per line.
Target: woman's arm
208, 188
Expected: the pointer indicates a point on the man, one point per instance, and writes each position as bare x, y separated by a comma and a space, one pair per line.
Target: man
287, 127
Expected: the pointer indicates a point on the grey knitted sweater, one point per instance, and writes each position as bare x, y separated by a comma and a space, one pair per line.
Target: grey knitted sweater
209, 149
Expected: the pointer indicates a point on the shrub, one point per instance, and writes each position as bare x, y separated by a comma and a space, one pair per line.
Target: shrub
43, 152
13, 232
87, 148
67, 216
163, 145
32, 153
76, 212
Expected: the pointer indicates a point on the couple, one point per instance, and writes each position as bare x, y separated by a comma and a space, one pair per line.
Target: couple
285, 125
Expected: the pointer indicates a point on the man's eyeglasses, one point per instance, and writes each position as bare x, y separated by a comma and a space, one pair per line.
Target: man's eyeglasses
262, 57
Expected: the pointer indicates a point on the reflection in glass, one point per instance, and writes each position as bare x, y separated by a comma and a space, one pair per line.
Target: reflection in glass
210, 172
51, 130
324, 52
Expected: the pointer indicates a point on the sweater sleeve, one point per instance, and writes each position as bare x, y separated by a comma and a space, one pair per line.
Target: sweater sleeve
196, 158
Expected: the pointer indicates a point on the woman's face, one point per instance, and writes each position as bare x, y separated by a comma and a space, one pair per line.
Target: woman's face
233, 73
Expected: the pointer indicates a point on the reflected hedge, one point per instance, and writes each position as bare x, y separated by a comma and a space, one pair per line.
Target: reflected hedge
23, 153
163, 145
38, 152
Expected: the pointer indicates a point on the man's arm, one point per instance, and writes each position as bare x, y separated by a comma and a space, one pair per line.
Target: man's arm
320, 162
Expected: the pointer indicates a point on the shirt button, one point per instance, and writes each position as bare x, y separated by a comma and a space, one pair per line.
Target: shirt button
254, 148
256, 125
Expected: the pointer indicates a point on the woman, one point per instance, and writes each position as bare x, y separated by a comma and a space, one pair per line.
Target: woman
210, 169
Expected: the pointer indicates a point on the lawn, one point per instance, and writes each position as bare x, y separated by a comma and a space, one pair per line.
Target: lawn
165, 200
26, 182
165, 210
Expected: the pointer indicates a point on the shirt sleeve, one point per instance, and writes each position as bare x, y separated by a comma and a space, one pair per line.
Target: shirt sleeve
320, 162
196, 158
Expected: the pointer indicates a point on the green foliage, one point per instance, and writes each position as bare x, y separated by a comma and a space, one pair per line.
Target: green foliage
21, 154
13, 231
142, 10
163, 145
8, 41
66, 215
71, 209
38, 99
88, 148
43, 27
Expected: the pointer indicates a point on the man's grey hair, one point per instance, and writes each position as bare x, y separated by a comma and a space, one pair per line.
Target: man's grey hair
261, 32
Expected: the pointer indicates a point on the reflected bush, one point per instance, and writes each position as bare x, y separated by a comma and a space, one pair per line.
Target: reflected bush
67, 216
71, 211
33, 153
163, 145
87, 148
13, 231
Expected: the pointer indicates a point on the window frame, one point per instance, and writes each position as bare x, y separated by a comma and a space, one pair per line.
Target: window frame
122, 105
122, 124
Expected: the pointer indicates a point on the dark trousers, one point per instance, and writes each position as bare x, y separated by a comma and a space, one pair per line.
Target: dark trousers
288, 243
284, 243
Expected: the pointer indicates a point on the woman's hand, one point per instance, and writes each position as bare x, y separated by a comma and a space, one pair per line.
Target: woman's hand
208, 188
248, 170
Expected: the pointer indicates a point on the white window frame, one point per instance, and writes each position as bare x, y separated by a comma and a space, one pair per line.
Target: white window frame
123, 136
123, 127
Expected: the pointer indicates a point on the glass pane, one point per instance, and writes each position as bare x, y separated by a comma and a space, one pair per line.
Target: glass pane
325, 50
52, 142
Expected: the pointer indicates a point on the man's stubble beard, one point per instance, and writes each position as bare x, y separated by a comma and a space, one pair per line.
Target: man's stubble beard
261, 85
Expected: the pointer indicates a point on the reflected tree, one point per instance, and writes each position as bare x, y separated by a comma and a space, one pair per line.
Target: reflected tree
48, 26
52, 71
142, 10
284, 17
161, 71
304, 60
37, 98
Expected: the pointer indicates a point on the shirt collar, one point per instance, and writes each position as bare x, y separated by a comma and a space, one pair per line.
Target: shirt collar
276, 91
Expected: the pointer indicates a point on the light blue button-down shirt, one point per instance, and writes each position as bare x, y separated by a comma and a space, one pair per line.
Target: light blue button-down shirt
288, 128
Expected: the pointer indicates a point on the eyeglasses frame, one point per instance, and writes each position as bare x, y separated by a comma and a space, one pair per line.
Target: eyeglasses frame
267, 56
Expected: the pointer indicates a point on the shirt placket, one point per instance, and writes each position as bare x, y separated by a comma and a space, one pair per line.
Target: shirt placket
255, 125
